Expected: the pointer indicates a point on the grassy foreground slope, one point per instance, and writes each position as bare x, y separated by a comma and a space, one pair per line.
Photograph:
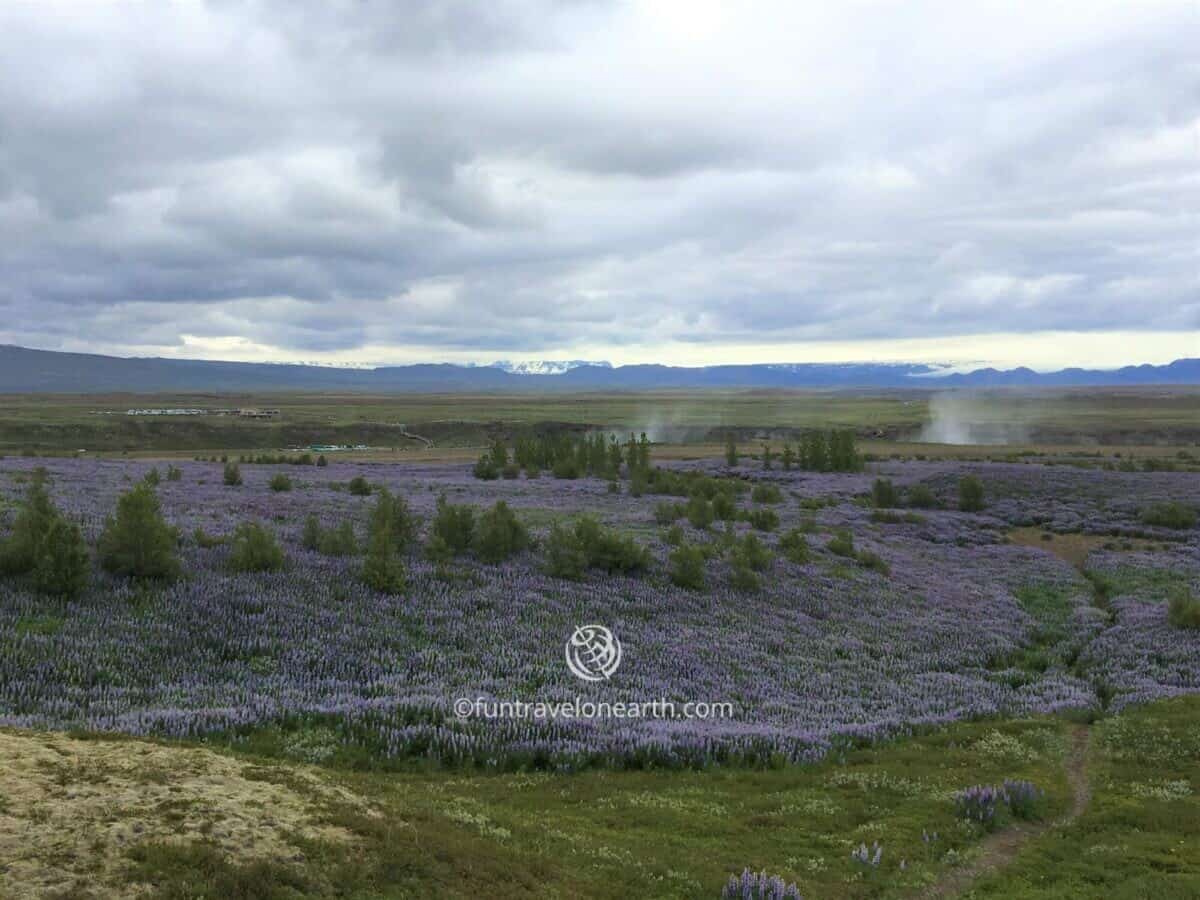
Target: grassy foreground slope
1140, 834
105, 817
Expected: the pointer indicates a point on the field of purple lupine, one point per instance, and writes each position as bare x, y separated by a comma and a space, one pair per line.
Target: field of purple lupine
964, 622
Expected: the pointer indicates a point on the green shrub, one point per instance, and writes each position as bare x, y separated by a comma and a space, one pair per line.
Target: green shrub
280, 482
322, 462
762, 519
608, 550
1183, 610
794, 546
511, 471
438, 551
766, 493
233, 475
883, 494
744, 578
455, 525
921, 497
500, 534
699, 512
340, 541
674, 536
1169, 515
751, 553
724, 506
970, 494
666, 512
174, 473
842, 543
566, 468
687, 567
152, 477
255, 550
359, 486
138, 542
310, 537
485, 468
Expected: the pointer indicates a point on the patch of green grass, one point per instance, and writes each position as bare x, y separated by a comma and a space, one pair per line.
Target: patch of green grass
605, 834
1138, 837
199, 871
1145, 583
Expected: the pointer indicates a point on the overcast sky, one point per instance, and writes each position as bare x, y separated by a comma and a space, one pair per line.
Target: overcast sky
684, 182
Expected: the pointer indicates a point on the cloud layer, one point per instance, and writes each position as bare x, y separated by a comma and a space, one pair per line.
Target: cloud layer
529, 177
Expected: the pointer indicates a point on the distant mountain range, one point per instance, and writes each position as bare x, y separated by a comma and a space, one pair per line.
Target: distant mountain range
23, 370
545, 366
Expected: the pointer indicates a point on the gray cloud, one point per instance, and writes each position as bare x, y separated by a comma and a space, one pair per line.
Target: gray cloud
531, 175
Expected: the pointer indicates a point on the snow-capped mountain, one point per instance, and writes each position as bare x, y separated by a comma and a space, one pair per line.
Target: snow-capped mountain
545, 366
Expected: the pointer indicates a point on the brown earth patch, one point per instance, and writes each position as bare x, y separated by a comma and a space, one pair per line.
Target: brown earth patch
1073, 547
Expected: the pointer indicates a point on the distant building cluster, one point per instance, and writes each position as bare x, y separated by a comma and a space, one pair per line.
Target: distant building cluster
178, 411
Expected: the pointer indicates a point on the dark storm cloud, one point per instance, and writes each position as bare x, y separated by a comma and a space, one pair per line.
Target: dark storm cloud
525, 176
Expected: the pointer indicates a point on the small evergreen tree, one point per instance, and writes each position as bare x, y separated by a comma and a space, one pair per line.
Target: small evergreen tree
614, 457
19, 554
280, 482
322, 462
565, 558
359, 486
233, 475
500, 534
752, 553
138, 542
62, 566
455, 525
731, 451
788, 457
767, 456
499, 455
687, 567
383, 568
